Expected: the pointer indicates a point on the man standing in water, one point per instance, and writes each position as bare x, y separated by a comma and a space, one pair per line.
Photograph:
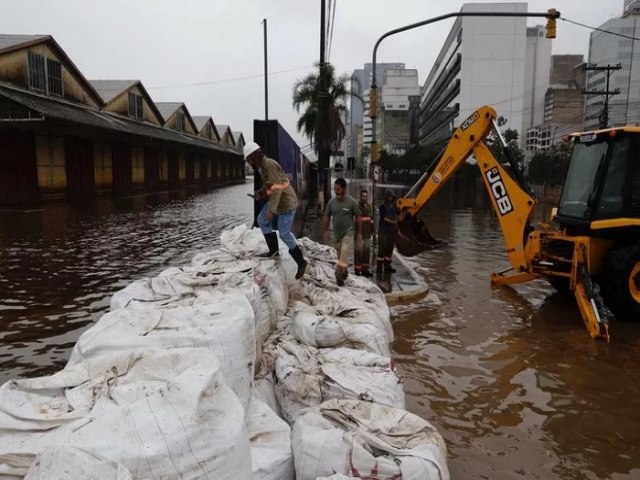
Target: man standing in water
343, 212
282, 204
362, 251
387, 233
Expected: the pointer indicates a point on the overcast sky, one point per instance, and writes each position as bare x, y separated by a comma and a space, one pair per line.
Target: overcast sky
182, 42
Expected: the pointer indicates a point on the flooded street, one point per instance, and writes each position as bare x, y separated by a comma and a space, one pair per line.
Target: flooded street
510, 378
59, 266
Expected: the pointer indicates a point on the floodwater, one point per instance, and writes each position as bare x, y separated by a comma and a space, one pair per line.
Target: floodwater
509, 377
59, 266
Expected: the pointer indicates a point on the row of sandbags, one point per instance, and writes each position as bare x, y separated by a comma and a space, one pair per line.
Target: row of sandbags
327, 371
193, 371
161, 386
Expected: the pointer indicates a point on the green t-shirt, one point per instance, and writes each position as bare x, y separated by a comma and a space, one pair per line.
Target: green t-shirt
343, 213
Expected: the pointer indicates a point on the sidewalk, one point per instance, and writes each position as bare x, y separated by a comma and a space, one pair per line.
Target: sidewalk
403, 286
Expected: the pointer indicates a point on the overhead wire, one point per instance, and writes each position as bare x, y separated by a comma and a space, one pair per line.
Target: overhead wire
599, 29
226, 80
333, 21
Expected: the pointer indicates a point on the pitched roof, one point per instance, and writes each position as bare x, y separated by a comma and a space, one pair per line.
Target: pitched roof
223, 128
63, 110
11, 42
200, 121
236, 136
109, 89
168, 108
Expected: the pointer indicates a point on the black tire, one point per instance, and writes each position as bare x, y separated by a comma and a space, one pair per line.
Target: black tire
561, 284
620, 291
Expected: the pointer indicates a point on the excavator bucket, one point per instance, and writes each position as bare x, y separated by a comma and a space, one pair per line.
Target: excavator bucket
414, 238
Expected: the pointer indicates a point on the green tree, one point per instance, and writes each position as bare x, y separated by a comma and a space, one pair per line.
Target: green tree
550, 166
306, 93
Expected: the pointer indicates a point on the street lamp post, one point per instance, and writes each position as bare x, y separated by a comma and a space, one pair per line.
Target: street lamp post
551, 15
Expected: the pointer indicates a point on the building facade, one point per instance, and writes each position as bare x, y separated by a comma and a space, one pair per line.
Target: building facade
357, 111
60, 138
606, 49
395, 109
563, 104
485, 61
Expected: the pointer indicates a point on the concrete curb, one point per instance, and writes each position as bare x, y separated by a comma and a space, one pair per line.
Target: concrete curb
419, 291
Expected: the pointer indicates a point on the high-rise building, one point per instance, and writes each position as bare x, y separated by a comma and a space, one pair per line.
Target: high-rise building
398, 87
563, 104
606, 49
494, 61
362, 83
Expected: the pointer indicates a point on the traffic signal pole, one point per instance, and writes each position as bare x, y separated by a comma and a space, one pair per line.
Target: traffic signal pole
551, 15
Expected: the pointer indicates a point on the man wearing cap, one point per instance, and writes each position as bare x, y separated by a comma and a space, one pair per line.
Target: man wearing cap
387, 233
282, 203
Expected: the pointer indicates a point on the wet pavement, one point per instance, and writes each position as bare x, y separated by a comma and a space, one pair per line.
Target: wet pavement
509, 377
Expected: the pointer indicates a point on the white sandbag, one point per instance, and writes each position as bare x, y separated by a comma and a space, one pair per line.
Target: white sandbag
366, 440
71, 463
270, 441
307, 377
262, 283
264, 390
176, 283
364, 331
225, 325
161, 414
243, 240
338, 476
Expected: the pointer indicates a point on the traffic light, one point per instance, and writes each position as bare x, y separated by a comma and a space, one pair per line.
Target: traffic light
374, 102
376, 153
551, 23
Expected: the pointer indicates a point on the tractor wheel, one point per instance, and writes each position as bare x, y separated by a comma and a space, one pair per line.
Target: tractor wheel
621, 281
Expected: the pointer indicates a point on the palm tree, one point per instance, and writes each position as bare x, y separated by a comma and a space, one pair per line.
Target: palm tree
306, 93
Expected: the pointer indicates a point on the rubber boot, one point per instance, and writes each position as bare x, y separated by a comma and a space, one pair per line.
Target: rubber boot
296, 254
341, 276
272, 243
388, 268
366, 273
379, 267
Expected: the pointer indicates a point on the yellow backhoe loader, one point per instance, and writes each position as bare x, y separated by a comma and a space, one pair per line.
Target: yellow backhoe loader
592, 246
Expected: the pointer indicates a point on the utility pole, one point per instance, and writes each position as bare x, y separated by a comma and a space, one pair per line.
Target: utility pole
321, 131
266, 74
609, 69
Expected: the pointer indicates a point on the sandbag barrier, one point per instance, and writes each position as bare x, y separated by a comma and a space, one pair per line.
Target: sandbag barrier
201, 368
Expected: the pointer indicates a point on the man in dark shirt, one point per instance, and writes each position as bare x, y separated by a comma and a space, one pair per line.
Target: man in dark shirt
386, 233
362, 251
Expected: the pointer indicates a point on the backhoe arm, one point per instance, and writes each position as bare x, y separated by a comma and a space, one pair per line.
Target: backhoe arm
511, 202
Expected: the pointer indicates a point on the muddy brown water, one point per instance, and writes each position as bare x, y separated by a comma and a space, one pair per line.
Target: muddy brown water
509, 377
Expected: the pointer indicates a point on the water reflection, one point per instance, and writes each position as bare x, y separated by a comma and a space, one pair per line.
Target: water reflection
509, 376
60, 265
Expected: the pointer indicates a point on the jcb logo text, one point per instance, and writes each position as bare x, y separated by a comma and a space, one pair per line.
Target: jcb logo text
499, 191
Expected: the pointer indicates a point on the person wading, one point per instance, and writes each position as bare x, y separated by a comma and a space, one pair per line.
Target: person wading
387, 233
282, 204
362, 250
343, 212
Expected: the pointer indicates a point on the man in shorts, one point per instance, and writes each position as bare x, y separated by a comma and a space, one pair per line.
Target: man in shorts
344, 213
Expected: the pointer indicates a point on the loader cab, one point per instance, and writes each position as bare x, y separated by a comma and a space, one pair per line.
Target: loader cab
603, 179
